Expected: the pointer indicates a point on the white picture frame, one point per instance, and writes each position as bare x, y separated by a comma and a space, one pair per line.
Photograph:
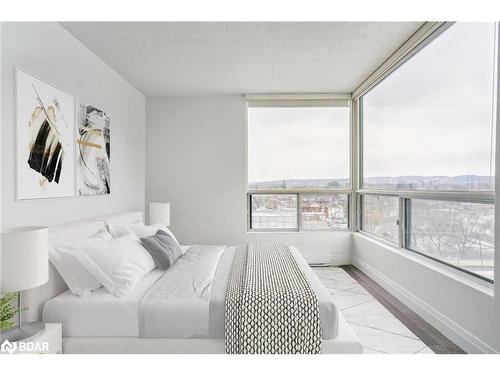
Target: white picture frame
45, 139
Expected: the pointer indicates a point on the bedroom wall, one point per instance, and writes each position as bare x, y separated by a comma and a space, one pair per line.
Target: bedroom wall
50, 52
196, 160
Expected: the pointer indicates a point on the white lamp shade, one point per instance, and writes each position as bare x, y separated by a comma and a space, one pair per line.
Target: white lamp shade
159, 213
25, 258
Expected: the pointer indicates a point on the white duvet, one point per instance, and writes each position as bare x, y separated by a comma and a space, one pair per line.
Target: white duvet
178, 304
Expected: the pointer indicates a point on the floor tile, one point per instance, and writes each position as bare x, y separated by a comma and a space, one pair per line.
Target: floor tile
359, 290
339, 276
373, 314
339, 284
425, 350
346, 299
387, 342
372, 351
332, 291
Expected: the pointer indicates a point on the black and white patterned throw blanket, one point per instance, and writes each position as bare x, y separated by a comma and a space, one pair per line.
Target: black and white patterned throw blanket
270, 307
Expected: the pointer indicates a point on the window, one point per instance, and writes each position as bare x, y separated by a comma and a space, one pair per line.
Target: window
298, 164
380, 216
298, 147
458, 233
324, 211
430, 124
427, 151
273, 211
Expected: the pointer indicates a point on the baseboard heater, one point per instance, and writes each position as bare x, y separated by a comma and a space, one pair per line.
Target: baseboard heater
319, 264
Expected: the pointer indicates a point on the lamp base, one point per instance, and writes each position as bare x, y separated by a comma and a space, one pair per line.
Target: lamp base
26, 330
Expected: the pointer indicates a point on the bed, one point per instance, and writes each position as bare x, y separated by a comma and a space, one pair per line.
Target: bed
180, 310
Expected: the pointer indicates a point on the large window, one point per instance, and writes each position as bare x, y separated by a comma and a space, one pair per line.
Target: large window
427, 151
298, 164
430, 125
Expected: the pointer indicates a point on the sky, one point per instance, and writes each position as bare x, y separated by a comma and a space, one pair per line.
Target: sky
298, 143
432, 116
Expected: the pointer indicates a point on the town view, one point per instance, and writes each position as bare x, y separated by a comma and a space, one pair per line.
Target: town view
457, 233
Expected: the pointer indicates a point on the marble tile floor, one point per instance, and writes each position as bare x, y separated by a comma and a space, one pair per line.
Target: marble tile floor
379, 330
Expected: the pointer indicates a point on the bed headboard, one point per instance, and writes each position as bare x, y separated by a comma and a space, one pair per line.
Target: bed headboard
124, 218
35, 298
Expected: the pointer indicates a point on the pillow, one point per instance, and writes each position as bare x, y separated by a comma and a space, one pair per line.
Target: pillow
163, 248
119, 264
63, 256
139, 230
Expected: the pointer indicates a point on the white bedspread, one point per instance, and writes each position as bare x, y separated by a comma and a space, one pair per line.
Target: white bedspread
178, 304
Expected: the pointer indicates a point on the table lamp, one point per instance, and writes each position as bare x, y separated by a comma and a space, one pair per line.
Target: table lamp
24, 265
159, 213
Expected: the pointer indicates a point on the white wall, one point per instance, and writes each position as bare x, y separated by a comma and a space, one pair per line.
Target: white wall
50, 52
196, 160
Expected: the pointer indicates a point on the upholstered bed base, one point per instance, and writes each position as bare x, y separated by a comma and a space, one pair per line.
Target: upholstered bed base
345, 343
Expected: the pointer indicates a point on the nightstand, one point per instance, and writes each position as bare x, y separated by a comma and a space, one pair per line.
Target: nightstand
47, 339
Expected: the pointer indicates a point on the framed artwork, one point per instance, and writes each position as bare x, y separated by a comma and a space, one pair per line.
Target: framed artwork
45, 133
93, 173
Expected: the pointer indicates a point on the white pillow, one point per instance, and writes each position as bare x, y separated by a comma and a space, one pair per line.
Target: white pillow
63, 256
139, 230
119, 264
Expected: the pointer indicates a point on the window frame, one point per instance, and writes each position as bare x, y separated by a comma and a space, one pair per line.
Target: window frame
298, 194
302, 100
429, 33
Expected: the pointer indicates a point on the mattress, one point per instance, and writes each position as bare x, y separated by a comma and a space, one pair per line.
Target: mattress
186, 301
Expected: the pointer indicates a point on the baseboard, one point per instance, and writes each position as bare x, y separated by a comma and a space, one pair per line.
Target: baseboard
453, 331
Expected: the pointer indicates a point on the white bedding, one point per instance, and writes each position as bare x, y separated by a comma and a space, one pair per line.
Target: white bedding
186, 302
101, 313
178, 304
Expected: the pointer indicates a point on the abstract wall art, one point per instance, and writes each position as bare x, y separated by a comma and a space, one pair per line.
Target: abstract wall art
93, 152
45, 128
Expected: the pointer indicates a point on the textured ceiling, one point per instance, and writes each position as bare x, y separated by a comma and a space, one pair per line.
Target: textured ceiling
199, 58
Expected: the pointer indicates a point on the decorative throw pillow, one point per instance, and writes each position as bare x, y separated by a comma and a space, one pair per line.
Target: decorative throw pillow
139, 230
119, 264
163, 248
63, 256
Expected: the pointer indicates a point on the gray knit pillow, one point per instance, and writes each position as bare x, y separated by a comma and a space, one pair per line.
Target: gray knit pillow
163, 248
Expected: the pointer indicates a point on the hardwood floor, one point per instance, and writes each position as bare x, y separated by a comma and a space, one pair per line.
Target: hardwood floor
423, 330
